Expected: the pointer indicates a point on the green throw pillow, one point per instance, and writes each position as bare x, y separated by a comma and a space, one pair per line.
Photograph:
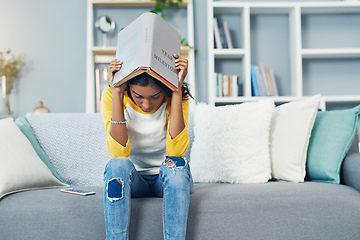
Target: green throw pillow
26, 129
331, 138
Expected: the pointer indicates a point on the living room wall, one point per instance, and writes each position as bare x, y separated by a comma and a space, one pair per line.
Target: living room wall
52, 35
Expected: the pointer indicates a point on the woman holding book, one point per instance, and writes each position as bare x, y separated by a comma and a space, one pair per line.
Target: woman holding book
146, 133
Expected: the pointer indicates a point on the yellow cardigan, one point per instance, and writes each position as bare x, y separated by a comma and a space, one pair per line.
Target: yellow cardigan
174, 147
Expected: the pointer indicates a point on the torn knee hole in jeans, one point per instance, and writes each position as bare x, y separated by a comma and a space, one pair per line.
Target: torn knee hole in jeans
170, 163
175, 163
115, 189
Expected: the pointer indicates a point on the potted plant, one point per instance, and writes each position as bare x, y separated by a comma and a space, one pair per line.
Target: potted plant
162, 4
10, 67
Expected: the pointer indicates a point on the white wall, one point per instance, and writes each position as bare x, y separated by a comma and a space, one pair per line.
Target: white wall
52, 34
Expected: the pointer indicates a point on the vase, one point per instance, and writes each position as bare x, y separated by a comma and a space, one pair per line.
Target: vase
6, 110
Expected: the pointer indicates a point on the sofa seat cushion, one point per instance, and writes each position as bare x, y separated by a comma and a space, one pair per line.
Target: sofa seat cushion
274, 210
51, 214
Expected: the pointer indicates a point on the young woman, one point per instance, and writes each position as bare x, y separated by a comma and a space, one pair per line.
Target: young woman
146, 133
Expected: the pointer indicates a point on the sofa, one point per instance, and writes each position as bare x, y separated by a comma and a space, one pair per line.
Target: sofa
73, 147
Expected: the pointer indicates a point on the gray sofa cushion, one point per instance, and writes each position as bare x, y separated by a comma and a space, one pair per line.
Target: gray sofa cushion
350, 171
51, 214
273, 210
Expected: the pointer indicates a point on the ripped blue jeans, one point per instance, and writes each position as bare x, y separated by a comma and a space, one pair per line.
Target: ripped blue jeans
122, 182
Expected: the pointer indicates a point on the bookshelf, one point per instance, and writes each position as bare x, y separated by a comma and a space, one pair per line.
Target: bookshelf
312, 47
99, 55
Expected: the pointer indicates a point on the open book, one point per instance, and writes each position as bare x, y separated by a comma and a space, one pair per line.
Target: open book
147, 45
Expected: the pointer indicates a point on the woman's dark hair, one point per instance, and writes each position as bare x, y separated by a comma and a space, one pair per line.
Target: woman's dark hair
145, 79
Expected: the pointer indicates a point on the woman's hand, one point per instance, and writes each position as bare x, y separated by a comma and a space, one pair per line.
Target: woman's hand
181, 64
115, 65
117, 131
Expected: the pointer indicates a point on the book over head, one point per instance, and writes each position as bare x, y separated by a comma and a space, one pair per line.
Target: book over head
147, 45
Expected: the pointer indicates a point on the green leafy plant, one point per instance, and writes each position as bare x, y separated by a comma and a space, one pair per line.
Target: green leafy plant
162, 4
186, 44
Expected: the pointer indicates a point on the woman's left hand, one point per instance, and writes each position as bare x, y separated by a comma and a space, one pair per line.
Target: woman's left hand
181, 64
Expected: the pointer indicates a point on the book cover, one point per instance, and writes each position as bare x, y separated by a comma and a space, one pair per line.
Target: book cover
254, 83
227, 35
222, 34
147, 45
216, 76
265, 81
217, 34
268, 77
220, 84
228, 79
260, 81
273, 80
234, 86
226, 86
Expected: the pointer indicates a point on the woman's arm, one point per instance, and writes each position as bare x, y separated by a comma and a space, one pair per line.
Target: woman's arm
177, 123
117, 131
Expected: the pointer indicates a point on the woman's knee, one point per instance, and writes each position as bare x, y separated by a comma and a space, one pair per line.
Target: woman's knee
175, 162
117, 173
119, 166
120, 162
176, 170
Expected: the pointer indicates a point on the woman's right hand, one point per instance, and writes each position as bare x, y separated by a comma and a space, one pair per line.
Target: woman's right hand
115, 65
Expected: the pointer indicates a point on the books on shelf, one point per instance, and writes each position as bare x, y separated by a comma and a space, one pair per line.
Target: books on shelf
254, 82
222, 34
147, 45
227, 35
263, 81
218, 43
226, 85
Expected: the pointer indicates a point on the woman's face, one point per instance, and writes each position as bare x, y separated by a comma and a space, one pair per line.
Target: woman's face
147, 98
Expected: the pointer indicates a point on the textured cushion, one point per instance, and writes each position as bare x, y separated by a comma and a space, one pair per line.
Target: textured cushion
331, 138
74, 143
232, 143
289, 137
26, 129
20, 167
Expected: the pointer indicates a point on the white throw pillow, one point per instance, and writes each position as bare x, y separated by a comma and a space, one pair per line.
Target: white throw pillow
231, 143
289, 138
20, 167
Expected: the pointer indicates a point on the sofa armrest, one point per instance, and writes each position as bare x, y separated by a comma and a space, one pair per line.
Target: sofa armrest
350, 171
